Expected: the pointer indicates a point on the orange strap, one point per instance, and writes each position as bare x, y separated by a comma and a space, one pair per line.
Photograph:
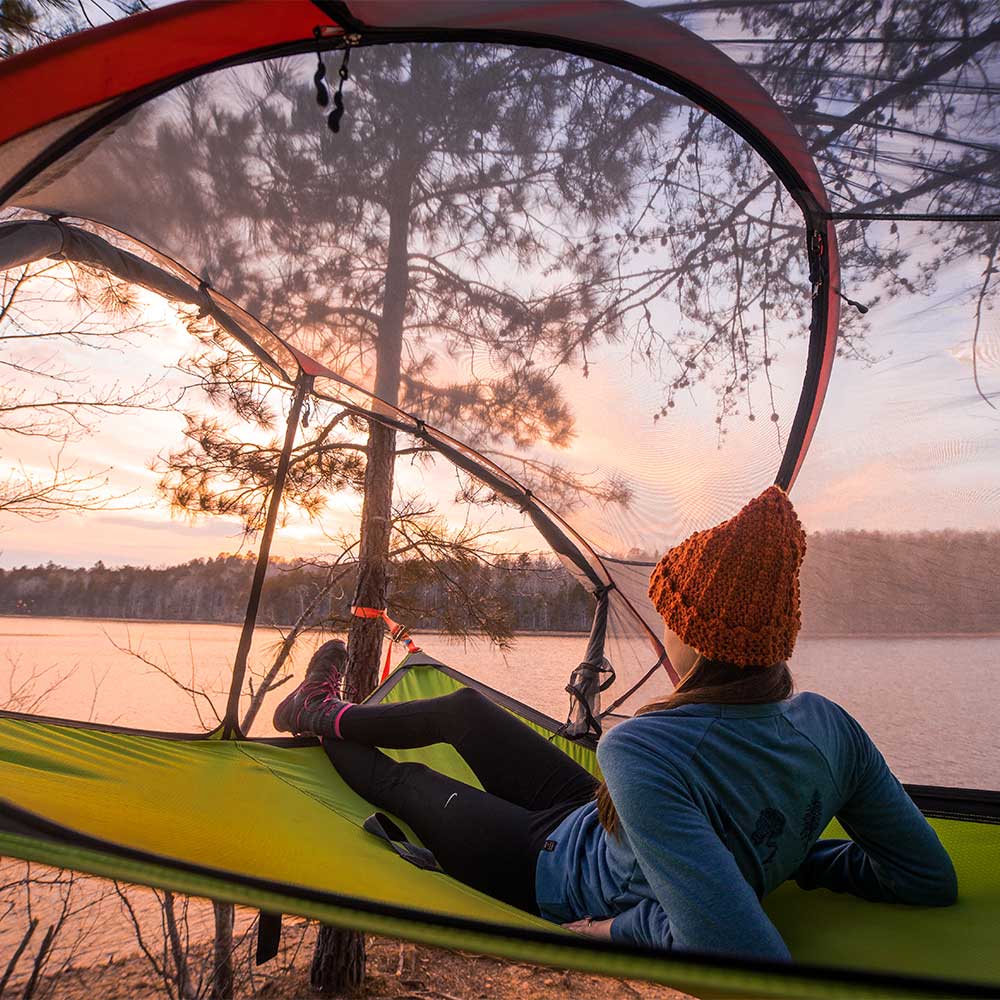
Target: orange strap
387, 666
397, 633
367, 612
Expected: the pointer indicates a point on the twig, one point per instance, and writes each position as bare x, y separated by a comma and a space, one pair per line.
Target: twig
626, 986
426, 995
193, 692
158, 968
36, 970
269, 683
12, 964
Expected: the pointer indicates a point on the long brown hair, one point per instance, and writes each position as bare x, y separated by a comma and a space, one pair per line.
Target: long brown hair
710, 682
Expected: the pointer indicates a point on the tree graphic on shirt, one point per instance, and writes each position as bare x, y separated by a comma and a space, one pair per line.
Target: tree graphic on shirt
770, 825
811, 820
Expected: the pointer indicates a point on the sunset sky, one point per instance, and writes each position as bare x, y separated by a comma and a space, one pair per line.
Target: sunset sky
904, 444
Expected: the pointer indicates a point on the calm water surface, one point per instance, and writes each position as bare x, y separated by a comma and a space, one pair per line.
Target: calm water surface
933, 705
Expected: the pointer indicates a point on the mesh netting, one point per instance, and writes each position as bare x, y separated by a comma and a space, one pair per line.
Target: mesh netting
595, 298
583, 301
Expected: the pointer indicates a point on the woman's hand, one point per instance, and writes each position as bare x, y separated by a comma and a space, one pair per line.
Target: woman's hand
592, 928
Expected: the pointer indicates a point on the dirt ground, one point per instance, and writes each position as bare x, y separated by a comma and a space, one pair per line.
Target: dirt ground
396, 971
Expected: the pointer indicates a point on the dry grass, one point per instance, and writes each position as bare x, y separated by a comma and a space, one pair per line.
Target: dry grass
396, 971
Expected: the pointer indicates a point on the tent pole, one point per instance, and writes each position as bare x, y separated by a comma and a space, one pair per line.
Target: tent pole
231, 722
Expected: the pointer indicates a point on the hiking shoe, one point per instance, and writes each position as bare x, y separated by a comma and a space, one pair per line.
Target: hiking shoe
315, 706
327, 663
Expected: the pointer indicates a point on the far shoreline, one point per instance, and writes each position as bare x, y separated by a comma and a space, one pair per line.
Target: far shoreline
543, 633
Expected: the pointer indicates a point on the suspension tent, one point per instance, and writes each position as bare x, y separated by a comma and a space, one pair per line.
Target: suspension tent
102, 177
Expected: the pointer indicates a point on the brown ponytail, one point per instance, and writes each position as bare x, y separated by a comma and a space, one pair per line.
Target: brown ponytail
710, 682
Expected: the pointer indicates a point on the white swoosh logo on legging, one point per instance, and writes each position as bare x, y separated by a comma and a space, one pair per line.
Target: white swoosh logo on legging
450, 797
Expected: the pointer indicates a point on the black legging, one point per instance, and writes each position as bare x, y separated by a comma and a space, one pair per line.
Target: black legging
488, 839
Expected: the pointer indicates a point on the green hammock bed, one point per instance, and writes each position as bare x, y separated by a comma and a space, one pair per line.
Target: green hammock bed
269, 824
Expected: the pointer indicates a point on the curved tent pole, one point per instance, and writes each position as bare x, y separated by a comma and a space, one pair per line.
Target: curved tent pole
107, 85
23, 241
619, 35
231, 721
824, 274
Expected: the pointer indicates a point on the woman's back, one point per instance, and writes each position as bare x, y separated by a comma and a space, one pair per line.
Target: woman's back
720, 804
768, 778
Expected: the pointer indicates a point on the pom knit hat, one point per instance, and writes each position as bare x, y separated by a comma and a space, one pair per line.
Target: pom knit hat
732, 592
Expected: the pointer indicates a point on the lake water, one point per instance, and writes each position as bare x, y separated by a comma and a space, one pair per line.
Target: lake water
933, 705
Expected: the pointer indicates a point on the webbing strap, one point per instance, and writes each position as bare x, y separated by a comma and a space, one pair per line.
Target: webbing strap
385, 829
397, 633
585, 686
268, 936
366, 612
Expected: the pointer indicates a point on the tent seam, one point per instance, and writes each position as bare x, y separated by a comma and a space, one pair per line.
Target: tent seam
239, 744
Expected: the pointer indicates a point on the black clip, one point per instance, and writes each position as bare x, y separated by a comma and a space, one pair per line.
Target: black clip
379, 825
319, 77
851, 302
333, 119
268, 936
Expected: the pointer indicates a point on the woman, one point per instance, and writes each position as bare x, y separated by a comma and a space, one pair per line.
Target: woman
711, 798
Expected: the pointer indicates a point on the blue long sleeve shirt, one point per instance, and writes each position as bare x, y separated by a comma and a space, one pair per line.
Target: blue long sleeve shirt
720, 804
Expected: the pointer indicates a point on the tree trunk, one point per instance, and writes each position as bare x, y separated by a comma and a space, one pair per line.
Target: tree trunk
338, 964
365, 648
339, 959
177, 948
222, 958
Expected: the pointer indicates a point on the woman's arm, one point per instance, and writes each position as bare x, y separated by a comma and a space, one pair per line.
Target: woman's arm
894, 854
645, 924
589, 927
707, 903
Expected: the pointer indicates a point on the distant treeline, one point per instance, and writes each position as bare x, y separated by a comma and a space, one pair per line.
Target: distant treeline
521, 593
879, 583
853, 583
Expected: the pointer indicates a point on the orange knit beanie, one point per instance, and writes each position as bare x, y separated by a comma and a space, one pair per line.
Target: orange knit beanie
732, 592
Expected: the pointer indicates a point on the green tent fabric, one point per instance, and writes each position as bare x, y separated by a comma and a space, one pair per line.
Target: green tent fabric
269, 824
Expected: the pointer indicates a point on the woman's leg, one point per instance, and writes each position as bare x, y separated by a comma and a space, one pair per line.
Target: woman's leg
510, 759
481, 840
